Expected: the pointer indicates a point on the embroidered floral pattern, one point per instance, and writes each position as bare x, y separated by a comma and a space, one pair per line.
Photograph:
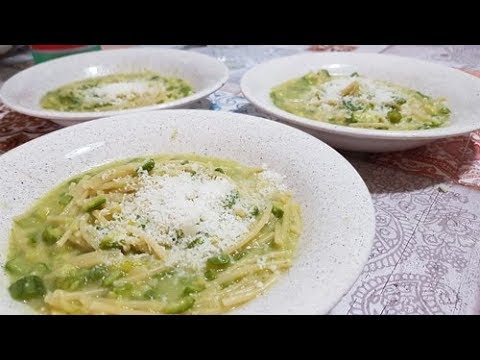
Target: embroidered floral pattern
402, 294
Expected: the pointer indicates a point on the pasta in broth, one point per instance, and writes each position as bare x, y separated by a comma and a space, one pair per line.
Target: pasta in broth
170, 234
116, 92
360, 102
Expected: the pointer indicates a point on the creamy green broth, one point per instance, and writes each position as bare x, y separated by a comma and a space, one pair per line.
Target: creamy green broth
167, 234
116, 92
360, 102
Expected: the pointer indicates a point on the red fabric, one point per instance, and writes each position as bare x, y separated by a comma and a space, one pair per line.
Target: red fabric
453, 159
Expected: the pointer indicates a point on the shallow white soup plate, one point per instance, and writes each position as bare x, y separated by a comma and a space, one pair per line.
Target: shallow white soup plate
461, 90
24, 91
337, 209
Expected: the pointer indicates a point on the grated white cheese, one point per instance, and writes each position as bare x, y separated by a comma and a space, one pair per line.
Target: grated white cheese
120, 92
331, 90
270, 181
193, 216
371, 90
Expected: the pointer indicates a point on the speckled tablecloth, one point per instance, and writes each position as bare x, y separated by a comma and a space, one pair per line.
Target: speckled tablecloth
426, 254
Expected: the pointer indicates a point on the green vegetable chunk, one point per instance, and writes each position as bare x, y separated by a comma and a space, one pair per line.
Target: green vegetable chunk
27, 288
194, 243
65, 199
98, 272
17, 266
149, 165
95, 203
111, 277
277, 212
351, 119
219, 261
193, 288
51, 234
210, 274
150, 294
351, 106
108, 243
394, 116
325, 72
422, 95
183, 305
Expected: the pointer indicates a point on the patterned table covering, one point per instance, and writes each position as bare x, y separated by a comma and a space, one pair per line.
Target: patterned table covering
426, 254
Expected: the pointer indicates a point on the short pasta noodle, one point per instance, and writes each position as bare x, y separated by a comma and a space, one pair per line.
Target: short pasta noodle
167, 234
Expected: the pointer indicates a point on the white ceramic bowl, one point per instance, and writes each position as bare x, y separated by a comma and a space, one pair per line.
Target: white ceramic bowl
23, 91
461, 90
337, 209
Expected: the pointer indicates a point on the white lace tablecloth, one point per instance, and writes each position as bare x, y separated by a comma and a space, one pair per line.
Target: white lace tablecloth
425, 258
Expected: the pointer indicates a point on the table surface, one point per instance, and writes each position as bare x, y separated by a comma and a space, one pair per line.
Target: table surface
425, 258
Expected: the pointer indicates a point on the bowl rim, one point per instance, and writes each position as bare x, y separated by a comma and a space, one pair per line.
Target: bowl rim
428, 134
82, 116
